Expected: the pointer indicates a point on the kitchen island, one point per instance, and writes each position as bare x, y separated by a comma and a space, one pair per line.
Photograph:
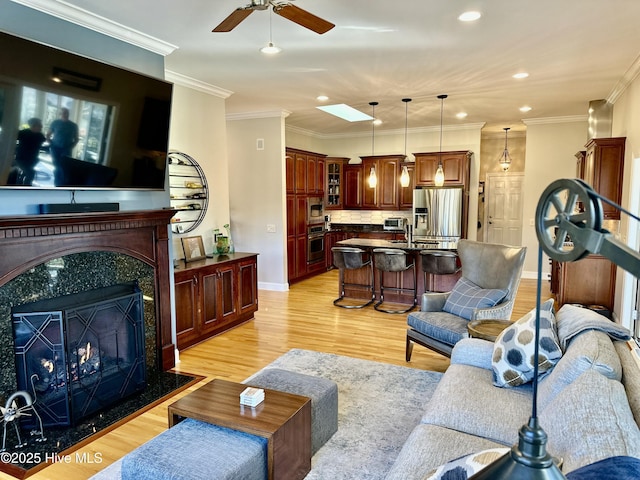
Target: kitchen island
434, 283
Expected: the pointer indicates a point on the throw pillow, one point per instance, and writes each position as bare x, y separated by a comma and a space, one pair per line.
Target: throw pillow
464, 467
612, 468
466, 296
513, 362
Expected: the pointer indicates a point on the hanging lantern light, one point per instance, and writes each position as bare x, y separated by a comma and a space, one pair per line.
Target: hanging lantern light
405, 179
373, 178
505, 159
439, 177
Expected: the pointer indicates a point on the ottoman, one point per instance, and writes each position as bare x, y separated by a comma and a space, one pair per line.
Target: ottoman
322, 392
185, 452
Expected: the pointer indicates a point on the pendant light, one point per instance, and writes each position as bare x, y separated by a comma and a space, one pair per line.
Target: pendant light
404, 176
439, 178
505, 159
270, 49
373, 178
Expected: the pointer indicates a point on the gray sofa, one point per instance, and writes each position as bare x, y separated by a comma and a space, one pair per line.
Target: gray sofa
589, 406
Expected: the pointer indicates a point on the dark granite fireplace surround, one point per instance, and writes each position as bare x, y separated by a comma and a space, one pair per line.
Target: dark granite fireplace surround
47, 256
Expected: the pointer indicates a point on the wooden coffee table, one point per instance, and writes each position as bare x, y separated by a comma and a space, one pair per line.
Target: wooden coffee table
487, 329
282, 418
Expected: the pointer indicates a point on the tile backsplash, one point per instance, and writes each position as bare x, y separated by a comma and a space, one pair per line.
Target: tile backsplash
366, 217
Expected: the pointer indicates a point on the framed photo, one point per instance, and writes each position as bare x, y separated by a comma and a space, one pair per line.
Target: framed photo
193, 248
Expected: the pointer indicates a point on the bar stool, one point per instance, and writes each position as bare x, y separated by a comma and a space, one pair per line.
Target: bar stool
438, 262
393, 260
352, 258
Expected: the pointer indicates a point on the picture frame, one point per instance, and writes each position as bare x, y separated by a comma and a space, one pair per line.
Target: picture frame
193, 248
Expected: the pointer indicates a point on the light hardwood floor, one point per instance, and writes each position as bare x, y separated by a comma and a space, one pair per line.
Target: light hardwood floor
304, 317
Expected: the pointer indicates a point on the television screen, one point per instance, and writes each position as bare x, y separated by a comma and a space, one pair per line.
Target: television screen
67, 121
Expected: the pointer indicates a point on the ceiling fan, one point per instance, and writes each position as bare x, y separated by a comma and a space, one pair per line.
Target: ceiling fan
286, 10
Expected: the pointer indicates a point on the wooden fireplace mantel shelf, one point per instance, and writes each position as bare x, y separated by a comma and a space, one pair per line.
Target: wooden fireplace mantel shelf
29, 240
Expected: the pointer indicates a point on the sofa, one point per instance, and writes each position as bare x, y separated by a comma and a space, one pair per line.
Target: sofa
588, 403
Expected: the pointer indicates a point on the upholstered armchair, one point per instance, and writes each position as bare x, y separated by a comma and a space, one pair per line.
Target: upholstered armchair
486, 290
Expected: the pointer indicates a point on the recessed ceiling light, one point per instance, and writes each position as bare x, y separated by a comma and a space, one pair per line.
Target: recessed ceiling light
377, 121
521, 75
471, 16
345, 112
461, 115
525, 109
322, 98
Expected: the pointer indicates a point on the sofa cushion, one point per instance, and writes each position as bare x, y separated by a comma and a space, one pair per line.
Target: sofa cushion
466, 400
474, 352
591, 350
464, 467
630, 377
513, 359
442, 326
466, 296
429, 446
590, 420
613, 468
573, 320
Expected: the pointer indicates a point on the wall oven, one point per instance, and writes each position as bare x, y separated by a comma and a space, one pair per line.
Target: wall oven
315, 210
315, 243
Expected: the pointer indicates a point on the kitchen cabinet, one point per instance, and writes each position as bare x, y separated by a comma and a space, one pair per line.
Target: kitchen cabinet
214, 295
580, 161
603, 169
353, 186
334, 184
456, 167
385, 195
331, 239
405, 196
305, 172
589, 281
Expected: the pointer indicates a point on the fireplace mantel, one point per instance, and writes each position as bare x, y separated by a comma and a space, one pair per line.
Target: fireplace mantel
29, 240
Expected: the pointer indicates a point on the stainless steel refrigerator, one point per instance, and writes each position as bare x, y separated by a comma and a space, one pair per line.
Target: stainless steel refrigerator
437, 214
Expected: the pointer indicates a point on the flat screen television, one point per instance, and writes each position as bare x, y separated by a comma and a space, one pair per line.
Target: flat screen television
67, 121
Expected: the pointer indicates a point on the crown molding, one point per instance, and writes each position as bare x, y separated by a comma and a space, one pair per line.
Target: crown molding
256, 115
195, 84
84, 18
552, 120
382, 133
627, 79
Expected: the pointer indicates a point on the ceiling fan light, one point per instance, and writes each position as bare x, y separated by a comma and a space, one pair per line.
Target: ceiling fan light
270, 49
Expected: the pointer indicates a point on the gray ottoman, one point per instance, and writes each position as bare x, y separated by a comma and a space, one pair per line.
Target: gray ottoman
194, 450
322, 392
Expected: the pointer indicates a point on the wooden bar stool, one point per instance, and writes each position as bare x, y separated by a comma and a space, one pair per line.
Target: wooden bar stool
393, 260
352, 258
438, 262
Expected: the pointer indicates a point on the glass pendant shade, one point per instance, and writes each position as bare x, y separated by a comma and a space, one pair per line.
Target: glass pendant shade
439, 178
373, 178
505, 159
405, 180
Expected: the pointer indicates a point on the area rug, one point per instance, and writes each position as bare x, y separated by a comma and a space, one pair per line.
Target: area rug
378, 406
62, 441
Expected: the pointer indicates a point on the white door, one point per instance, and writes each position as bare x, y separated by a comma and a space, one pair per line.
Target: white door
503, 213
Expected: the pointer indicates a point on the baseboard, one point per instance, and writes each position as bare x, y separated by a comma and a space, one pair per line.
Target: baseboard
78, 207
276, 287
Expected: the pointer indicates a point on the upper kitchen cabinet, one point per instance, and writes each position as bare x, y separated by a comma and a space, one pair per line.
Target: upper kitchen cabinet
603, 169
334, 183
305, 172
353, 186
405, 196
385, 195
456, 166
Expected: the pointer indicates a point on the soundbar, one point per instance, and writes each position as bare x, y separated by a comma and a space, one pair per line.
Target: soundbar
79, 207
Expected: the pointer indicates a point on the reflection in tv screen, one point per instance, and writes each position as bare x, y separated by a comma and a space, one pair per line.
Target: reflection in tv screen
67, 121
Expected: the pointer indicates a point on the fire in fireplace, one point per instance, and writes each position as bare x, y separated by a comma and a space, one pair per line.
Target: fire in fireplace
78, 354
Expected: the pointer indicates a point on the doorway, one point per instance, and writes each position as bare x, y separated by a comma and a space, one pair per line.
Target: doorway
503, 208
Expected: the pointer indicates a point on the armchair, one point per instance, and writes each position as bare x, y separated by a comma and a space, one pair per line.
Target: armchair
486, 290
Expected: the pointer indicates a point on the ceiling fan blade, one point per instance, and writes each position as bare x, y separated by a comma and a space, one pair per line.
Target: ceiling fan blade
303, 18
233, 20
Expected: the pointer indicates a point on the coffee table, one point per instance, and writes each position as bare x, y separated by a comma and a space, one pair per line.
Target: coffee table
487, 329
282, 418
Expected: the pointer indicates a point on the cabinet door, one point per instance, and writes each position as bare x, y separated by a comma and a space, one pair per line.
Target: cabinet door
291, 258
291, 215
301, 255
248, 286
209, 301
605, 156
320, 176
590, 281
312, 174
406, 193
228, 294
388, 184
301, 173
291, 172
454, 165
353, 186
334, 184
370, 195
301, 215
186, 309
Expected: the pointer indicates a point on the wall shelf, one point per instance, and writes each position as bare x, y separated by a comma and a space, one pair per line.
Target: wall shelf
188, 192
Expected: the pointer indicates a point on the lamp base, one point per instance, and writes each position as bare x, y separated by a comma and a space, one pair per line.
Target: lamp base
528, 460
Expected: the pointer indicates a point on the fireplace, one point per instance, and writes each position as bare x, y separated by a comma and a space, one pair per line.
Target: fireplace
79, 354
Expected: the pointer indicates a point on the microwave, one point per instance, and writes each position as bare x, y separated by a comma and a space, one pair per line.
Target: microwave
315, 210
395, 223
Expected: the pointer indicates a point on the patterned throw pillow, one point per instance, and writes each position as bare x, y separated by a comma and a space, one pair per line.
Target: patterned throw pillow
513, 350
466, 466
466, 296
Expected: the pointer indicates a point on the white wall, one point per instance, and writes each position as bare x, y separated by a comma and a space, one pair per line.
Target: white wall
550, 155
257, 194
626, 123
198, 128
